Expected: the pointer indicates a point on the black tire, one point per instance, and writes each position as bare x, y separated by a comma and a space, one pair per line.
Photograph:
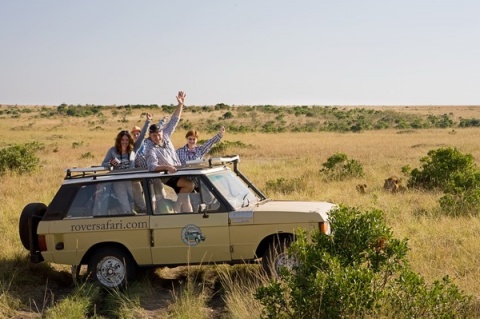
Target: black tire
35, 212
276, 257
111, 267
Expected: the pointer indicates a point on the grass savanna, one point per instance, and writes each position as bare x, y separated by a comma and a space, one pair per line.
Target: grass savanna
279, 157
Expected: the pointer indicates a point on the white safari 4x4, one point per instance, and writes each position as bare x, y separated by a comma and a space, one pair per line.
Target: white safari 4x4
89, 224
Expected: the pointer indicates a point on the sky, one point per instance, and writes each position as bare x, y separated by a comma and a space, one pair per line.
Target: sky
272, 52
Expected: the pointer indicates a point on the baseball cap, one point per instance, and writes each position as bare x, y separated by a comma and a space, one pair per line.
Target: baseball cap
154, 128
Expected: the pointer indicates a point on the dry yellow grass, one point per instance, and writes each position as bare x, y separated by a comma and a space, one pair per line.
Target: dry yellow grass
439, 246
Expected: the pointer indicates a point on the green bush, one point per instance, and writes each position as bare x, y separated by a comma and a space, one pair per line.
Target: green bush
87, 155
20, 158
411, 297
454, 173
440, 168
227, 115
339, 167
284, 186
461, 204
360, 271
221, 148
77, 144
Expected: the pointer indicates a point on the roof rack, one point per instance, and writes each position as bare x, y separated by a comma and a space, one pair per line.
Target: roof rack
93, 171
210, 162
87, 171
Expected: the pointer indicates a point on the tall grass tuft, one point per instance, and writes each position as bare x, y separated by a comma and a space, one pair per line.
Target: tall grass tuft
240, 283
189, 301
79, 304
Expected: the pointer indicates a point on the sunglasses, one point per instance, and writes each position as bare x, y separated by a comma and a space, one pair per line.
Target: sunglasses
125, 133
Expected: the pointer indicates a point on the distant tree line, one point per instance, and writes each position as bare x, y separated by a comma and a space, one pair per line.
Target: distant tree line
276, 118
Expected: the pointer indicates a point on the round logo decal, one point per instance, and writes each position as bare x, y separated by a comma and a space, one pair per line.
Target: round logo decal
192, 235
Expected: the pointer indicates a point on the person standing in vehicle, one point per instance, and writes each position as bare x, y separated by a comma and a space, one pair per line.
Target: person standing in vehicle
121, 156
191, 151
138, 139
161, 156
138, 134
140, 156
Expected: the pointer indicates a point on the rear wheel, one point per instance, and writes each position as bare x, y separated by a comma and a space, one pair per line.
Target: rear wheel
111, 267
33, 212
276, 257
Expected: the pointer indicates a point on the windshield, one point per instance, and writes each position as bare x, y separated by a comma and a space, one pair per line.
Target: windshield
233, 189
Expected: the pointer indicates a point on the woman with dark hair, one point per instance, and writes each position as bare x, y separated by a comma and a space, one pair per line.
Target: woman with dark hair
122, 156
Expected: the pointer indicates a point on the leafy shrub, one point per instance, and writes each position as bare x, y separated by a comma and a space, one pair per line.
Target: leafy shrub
284, 186
462, 195
473, 122
440, 168
339, 167
273, 127
19, 158
35, 146
77, 144
227, 115
222, 147
456, 174
221, 106
186, 125
411, 297
360, 271
87, 155
78, 110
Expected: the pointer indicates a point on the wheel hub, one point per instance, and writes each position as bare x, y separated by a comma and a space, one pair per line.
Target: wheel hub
111, 272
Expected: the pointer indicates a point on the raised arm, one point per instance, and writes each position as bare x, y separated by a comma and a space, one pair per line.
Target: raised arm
205, 147
181, 100
141, 137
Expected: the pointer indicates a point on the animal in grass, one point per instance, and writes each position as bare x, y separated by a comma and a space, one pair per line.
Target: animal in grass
393, 184
379, 244
361, 188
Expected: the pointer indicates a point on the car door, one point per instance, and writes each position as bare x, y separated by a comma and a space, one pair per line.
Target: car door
183, 238
95, 217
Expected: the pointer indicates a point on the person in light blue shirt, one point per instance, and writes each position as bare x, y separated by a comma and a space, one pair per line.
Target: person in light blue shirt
161, 156
139, 134
140, 156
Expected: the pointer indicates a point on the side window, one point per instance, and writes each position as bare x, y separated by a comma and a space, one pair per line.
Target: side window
112, 199
163, 197
203, 195
123, 197
82, 205
106, 199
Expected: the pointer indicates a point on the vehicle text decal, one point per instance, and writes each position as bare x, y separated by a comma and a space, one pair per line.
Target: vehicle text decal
109, 225
192, 235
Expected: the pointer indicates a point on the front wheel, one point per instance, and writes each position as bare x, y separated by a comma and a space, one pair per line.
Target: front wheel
111, 267
276, 257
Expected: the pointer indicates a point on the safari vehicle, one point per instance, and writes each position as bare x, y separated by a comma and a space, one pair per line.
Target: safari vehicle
86, 225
